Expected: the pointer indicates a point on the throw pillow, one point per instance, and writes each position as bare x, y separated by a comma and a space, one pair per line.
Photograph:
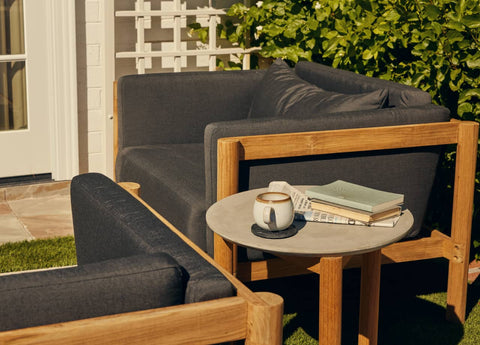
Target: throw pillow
282, 93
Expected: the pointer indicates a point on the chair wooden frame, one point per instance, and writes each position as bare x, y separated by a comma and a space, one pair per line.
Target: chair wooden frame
455, 248
255, 317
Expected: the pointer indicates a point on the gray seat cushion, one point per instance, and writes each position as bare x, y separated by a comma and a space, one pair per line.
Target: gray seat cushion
172, 179
103, 288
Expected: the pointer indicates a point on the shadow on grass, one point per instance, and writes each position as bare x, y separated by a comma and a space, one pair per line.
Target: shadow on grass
412, 306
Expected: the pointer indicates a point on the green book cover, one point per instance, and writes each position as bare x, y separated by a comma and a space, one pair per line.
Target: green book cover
355, 196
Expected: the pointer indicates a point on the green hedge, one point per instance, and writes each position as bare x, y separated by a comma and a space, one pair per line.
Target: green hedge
433, 45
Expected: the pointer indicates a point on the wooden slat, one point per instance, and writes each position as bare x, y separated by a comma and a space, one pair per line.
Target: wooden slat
413, 250
369, 298
436, 246
347, 140
199, 323
268, 269
115, 126
462, 219
330, 300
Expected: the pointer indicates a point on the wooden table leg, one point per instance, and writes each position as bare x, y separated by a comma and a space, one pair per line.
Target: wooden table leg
224, 253
369, 298
330, 308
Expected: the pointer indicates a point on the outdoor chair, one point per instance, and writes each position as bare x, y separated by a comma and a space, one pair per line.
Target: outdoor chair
455, 247
138, 281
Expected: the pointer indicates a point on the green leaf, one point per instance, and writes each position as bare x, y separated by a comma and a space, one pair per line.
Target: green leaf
432, 12
312, 24
468, 94
272, 30
474, 63
472, 22
454, 25
437, 28
341, 26
464, 108
311, 43
392, 16
454, 36
367, 54
292, 29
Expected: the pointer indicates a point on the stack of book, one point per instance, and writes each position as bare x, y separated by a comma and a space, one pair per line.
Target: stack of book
364, 204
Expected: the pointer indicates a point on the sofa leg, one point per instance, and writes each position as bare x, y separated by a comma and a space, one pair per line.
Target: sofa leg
264, 321
463, 192
457, 291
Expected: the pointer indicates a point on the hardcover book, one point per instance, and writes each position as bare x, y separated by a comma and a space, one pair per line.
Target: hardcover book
362, 216
355, 196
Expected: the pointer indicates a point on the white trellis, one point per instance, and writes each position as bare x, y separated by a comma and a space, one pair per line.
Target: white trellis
176, 17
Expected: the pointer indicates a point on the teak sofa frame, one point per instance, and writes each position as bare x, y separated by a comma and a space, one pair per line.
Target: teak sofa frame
255, 317
455, 247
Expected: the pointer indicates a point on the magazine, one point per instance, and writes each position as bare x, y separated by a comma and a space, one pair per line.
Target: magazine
304, 211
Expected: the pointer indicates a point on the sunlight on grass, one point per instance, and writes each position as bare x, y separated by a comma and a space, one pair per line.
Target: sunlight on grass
30, 255
299, 336
471, 334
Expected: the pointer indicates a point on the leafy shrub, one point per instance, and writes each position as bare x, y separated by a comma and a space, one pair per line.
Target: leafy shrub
433, 45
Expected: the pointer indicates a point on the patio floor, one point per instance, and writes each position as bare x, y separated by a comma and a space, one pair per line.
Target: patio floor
35, 211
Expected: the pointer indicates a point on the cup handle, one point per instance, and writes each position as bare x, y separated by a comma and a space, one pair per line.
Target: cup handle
267, 215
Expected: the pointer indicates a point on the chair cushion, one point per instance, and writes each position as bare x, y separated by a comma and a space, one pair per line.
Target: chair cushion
337, 80
282, 93
109, 222
173, 172
104, 288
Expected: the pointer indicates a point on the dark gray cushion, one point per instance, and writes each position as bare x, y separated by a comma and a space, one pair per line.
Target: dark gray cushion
282, 93
174, 108
172, 182
337, 80
109, 223
103, 288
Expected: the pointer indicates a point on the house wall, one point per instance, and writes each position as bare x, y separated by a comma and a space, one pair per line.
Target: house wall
99, 35
95, 77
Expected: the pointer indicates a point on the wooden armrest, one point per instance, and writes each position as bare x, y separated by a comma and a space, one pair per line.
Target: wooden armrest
209, 322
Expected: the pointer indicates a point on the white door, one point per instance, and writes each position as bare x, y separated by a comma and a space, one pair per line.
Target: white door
24, 101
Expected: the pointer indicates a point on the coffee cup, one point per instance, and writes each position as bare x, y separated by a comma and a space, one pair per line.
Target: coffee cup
273, 211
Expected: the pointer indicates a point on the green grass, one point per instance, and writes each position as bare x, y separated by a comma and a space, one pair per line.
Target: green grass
412, 305
30, 255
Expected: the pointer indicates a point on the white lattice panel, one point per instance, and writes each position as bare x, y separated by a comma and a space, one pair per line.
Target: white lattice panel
174, 16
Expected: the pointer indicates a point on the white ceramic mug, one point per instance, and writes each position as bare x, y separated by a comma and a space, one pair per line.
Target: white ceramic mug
273, 211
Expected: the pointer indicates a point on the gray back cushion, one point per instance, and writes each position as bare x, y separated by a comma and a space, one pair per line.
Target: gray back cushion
337, 80
282, 93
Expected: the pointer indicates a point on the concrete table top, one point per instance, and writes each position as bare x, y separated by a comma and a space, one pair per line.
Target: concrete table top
232, 218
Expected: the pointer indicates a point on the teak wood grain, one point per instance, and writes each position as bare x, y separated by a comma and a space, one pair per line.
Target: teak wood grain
330, 300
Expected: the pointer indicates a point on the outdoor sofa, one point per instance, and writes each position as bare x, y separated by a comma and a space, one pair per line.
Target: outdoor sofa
196, 137
169, 124
138, 281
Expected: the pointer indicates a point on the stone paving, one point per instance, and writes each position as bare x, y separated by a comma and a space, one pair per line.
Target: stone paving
35, 211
